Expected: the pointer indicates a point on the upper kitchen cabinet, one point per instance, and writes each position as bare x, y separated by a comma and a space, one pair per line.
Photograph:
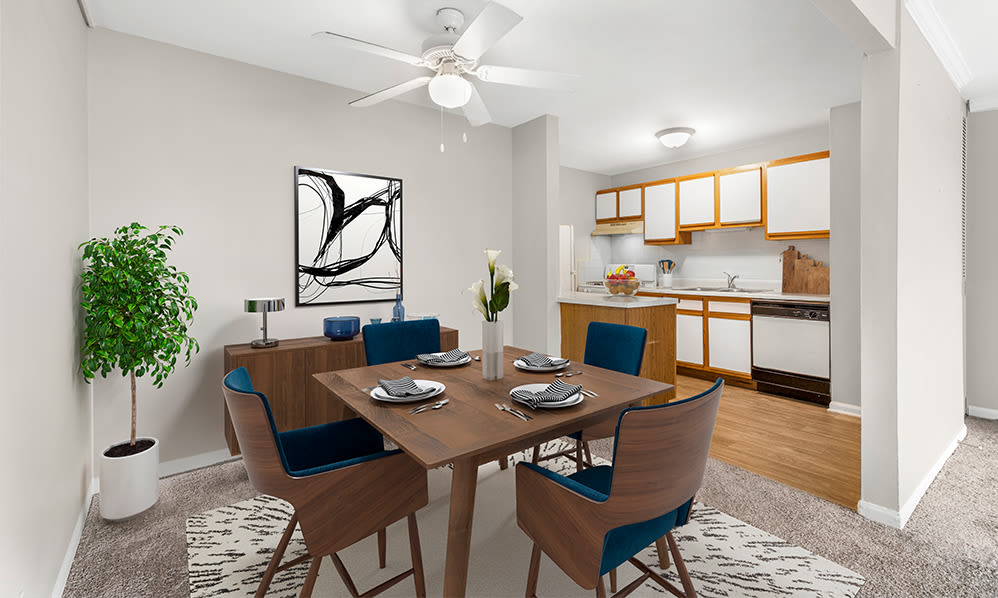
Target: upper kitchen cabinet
661, 213
725, 198
696, 201
622, 204
798, 197
740, 196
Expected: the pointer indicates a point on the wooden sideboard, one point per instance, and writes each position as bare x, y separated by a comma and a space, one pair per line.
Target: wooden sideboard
284, 374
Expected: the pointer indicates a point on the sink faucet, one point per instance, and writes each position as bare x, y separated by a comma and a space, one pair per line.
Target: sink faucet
731, 280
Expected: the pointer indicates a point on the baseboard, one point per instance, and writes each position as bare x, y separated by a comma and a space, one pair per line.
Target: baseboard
74, 543
909, 505
845, 408
875, 512
169, 468
898, 519
982, 412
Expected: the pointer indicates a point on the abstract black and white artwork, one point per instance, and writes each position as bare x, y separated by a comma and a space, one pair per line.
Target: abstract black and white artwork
348, 237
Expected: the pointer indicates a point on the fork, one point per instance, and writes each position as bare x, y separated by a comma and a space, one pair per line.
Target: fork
588, 393
516, 411
408, 365
423, 408
513, 413
568, 374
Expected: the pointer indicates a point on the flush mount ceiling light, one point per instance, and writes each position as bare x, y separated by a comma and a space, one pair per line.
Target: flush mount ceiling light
675, 136
449, 89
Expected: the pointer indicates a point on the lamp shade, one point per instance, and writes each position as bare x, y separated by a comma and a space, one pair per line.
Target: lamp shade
450, 90
264, 304
675, 136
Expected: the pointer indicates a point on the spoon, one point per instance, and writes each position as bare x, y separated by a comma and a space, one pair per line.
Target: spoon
567, 374
477, 358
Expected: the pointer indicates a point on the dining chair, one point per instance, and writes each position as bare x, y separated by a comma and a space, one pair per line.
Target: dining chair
398, 341
598, 518
341, 482
615, 347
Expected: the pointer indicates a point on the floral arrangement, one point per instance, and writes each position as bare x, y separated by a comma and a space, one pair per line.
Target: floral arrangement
501, 284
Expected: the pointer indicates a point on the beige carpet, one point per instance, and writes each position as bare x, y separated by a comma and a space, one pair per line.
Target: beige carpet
948, 547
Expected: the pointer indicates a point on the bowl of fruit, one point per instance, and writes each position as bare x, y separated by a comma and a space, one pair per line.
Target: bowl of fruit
622, 282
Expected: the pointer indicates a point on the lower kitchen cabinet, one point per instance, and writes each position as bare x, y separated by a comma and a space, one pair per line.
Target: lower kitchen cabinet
689, 339
730, 343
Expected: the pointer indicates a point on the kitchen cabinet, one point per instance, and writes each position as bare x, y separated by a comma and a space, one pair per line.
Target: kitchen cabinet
740, 196
696, 201
714, 335
660, 224
620, 204
798, 197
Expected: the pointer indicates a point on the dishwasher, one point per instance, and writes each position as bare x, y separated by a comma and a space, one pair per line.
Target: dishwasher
790, 350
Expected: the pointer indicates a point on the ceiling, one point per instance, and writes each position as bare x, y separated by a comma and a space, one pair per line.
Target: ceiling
968, 38
738, 71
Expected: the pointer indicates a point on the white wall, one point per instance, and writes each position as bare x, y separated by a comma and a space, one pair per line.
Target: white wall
982, 274
535, 237
844, 144
742, 251
911, 339
210, 144
930, 325
43, 186
576, 206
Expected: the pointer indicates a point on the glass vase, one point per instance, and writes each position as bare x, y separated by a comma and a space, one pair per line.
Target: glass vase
492, 358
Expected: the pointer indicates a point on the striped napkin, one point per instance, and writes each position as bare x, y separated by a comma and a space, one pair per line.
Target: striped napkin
540, 360
554, 393
403, 387
452, 356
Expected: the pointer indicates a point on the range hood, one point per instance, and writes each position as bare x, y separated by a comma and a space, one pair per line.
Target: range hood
620, 228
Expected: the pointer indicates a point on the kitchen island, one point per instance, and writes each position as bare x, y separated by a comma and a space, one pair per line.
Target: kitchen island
657, 315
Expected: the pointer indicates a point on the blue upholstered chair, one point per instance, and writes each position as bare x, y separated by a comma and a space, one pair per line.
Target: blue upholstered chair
596, 519
613, 347
341, 482
398, 341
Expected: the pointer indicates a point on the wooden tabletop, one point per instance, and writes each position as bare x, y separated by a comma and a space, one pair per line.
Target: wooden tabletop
470, 426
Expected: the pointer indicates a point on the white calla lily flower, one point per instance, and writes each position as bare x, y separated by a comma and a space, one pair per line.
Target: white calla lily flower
493, 255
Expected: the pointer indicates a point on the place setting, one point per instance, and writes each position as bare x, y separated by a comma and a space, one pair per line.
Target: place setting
539, 362
407, 390
556, 395
446, 359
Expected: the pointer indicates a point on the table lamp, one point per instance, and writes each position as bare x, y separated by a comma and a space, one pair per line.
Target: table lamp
264, 305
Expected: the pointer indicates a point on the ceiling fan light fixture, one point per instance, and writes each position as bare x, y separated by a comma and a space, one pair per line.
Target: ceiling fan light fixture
450, 90
673, 137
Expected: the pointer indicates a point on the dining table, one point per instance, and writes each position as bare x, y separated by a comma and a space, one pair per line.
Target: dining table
469, 430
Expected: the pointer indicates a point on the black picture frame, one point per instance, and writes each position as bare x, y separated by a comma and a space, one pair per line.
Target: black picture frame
348, 231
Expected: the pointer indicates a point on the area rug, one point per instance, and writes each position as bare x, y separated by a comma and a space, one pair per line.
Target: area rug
229, 547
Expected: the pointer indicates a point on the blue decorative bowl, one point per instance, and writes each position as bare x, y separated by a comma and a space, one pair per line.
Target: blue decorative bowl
341, 328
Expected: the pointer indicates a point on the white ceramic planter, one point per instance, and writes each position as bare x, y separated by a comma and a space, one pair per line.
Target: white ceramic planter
129, 485
492, 349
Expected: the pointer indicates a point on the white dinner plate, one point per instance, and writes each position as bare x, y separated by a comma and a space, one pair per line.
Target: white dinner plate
434, 387
467, 359
572, 400
519, 363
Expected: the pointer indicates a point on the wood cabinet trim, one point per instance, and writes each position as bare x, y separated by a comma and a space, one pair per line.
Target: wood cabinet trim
800, 158
809, 234
688, 312
724, 315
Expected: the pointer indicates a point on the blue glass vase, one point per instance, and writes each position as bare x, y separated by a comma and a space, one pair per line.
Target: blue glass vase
398, 312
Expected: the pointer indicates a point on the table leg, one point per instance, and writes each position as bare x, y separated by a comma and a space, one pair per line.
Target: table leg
462, 510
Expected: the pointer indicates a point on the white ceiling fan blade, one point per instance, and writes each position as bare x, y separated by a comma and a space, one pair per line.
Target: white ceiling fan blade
475, 110
391, 92
525, 77
489, 26
356, 44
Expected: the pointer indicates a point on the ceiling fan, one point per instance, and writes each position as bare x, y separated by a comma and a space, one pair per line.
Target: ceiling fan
451, 57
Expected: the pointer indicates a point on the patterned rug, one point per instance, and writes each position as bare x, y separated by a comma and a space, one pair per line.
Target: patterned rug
229, 547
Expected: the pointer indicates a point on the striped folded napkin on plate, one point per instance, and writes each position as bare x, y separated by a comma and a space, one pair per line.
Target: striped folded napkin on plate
403, 387
452, 356
540, 360
555, 392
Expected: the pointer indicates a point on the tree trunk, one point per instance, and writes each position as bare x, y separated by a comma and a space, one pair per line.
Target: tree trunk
132, 373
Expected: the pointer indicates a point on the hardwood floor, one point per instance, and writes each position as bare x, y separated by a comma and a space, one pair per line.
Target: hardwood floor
795, 443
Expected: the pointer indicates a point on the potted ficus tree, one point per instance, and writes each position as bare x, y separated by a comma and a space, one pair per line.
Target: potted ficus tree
137, 314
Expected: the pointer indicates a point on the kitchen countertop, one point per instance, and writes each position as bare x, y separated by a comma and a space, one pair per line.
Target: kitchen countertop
771, 295
614, 301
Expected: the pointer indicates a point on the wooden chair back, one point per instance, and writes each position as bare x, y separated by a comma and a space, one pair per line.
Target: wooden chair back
254, 427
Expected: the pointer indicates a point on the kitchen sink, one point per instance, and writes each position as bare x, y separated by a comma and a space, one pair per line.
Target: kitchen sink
711, 289
725, 290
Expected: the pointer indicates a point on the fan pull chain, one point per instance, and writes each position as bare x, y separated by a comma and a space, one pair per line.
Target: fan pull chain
441, 129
